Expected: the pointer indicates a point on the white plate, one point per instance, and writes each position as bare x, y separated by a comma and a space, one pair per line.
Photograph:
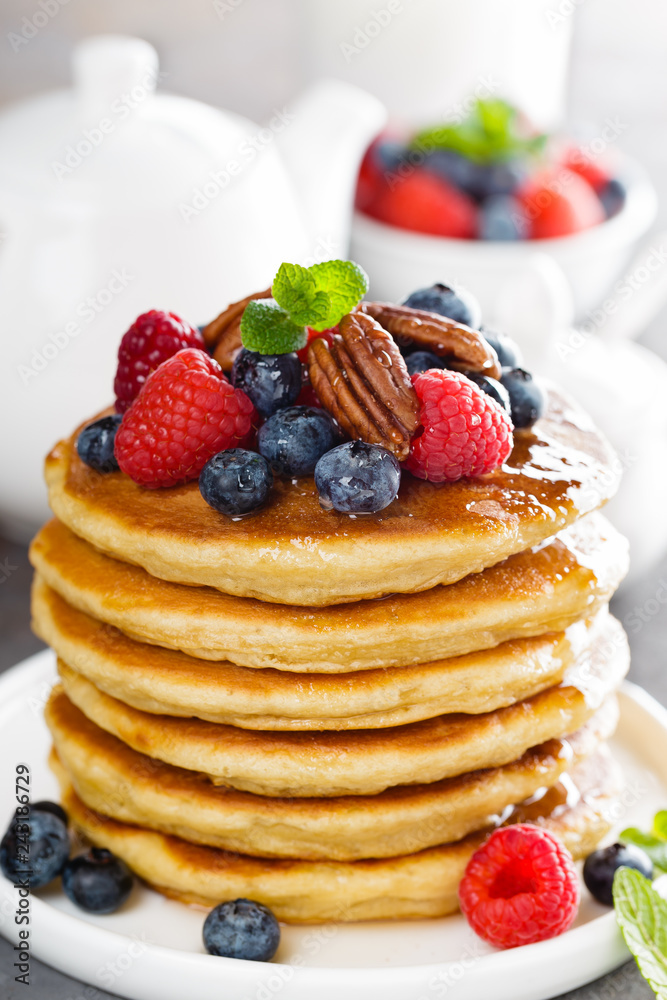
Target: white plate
152, 948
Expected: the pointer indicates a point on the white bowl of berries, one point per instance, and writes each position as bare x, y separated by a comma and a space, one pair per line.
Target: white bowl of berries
478, 201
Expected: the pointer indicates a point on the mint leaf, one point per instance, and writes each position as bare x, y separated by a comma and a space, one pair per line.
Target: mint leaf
319, 296
492, 132
655, 846
642, 916
267, 329
660, 824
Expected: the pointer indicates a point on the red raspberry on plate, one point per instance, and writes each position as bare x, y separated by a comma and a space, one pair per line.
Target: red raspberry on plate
520, 887
426, 204
185, 413
153, 337
464, 431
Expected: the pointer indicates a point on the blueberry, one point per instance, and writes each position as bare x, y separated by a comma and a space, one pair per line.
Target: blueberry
527, 397
51, 807
612, 196
502, 217
37, 843
453, 168
97, 881
273, 381
500, 178
509, 353
235, 481
242, 928
357, 478
95, 444
389, 154
492, 388
421, 361
455, 303
601, 866
293, 440
479, 180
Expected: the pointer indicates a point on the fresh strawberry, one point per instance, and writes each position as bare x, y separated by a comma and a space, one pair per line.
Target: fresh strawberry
559, 204
425, 203
594, 170
186, 412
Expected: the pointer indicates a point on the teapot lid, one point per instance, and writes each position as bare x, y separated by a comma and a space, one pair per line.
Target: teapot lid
110, 139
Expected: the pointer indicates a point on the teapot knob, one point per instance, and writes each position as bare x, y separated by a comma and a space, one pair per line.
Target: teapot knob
108, 67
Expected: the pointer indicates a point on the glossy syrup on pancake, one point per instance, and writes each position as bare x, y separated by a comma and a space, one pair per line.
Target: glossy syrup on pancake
294, 552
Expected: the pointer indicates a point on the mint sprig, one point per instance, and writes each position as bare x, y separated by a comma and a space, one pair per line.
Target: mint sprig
493, 131
654, 843
319, 296
642, 917
268, 329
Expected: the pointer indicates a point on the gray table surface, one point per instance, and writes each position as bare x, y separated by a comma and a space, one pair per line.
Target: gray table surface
648, 644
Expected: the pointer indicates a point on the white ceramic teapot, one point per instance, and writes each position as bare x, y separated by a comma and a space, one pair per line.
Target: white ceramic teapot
115, 200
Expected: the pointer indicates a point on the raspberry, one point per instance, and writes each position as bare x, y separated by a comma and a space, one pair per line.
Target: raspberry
464, 431
185, 413
521, 886
153, 337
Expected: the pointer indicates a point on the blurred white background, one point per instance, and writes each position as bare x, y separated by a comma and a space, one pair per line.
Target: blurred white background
248, 56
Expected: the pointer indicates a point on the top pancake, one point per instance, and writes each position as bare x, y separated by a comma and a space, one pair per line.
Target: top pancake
294, 552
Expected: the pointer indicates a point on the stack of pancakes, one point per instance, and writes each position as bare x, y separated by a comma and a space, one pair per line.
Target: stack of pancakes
329, 713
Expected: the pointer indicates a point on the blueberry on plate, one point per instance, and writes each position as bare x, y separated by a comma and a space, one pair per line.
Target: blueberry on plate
293, 440
95, 443
97, 881
601, 866
502, 217
272, 381
422, 361
38, 844
242, 928
357, 478
528, 399
492, 388
51, 807
509, 353
455, 303
235, 481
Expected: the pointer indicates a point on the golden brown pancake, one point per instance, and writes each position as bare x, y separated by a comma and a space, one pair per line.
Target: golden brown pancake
412, 886
294, 552
360, 761
167, 682
128, 786
529, 594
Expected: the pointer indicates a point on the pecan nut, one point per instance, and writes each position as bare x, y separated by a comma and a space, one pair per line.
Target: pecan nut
467, 348
363, 382
224, 332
